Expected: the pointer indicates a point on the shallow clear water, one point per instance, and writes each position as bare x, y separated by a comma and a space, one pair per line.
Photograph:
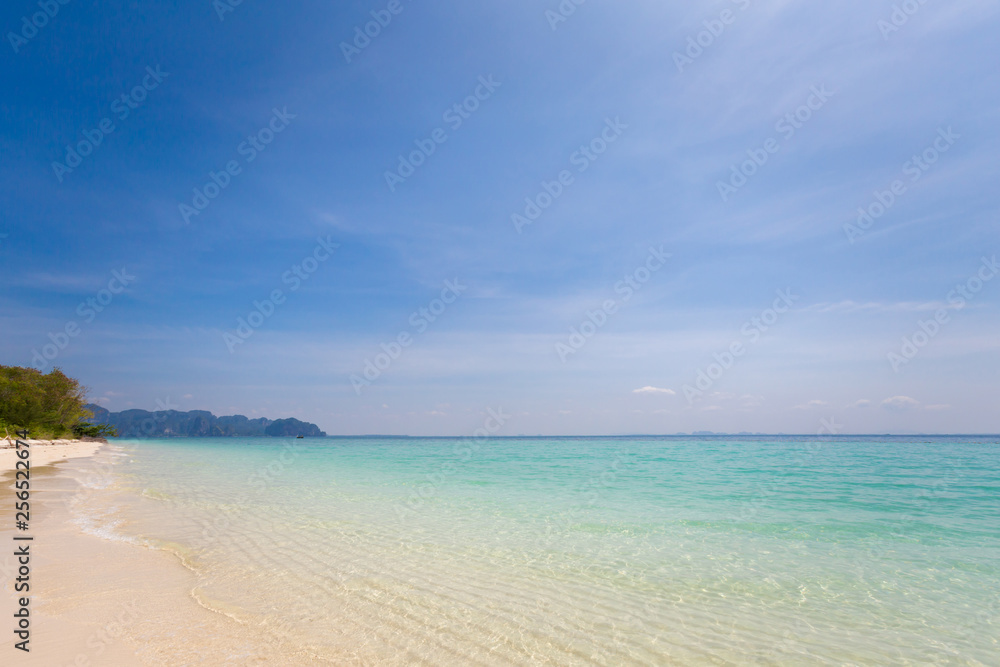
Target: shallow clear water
777, 550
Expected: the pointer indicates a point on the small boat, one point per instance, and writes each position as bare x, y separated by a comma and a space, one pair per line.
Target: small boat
300, 436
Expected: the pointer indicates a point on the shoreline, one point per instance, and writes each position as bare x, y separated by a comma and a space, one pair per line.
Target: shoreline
98, 595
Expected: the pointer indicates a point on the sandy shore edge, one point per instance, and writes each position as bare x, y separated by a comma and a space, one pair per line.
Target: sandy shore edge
102, 600
45, 452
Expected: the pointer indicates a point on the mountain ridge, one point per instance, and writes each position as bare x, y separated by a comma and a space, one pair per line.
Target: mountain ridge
199, 424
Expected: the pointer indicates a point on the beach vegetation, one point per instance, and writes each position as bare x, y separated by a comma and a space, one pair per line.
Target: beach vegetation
49, 405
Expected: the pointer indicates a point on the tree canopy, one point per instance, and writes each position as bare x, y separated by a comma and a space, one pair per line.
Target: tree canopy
48, 405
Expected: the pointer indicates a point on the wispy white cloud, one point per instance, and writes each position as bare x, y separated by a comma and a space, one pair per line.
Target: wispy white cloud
654, 390
900, 403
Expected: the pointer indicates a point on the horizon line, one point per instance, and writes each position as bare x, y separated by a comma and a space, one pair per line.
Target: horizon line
636, 435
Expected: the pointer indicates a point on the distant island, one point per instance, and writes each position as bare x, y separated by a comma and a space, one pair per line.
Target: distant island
198, 424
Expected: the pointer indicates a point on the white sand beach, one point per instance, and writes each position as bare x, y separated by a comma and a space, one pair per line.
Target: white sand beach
45, 452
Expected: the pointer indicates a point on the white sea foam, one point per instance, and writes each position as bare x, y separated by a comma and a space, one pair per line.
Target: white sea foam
102, 524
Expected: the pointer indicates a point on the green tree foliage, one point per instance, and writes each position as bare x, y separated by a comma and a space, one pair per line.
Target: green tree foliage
95, 431
48, 405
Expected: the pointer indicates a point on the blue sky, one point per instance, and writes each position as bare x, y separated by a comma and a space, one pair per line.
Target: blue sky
641, 126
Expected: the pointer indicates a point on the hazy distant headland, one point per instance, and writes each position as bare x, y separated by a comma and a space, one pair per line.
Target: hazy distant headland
199, 424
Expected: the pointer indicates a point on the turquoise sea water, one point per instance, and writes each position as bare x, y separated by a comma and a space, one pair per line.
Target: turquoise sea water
673, 550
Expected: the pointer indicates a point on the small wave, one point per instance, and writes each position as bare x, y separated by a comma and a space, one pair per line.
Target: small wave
96, 481
187, 557
106, 530
153, 494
